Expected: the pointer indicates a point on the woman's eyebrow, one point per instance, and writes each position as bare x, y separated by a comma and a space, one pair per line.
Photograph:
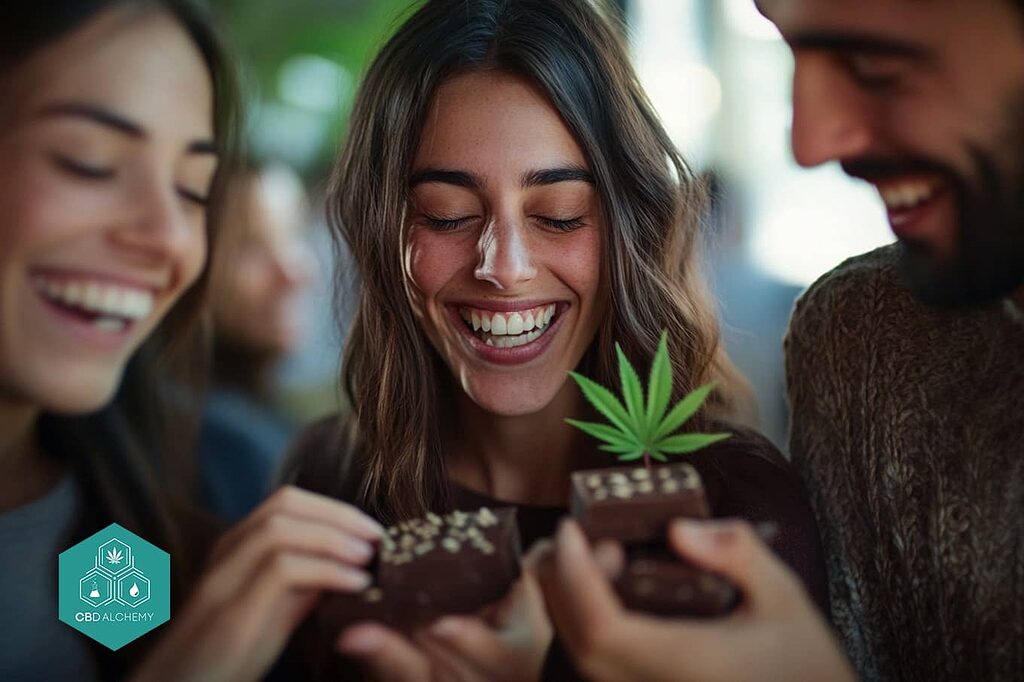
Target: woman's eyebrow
551, 176
109, 119
535, 178
447, 177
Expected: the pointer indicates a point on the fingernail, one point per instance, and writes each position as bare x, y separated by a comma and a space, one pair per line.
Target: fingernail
362, 550
445, 627
357, 580
570, 537
359, 641
697, 536
373, 528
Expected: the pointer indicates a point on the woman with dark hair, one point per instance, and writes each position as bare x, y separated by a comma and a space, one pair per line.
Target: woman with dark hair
514, 208
115, 131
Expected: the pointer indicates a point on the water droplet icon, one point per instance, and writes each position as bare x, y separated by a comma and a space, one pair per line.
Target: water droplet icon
134, 591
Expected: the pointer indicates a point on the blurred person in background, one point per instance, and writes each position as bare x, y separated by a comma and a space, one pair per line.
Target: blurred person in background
116, 120
514, 209
262, 267
905, 368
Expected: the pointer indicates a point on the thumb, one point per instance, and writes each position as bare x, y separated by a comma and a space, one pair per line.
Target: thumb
733, 550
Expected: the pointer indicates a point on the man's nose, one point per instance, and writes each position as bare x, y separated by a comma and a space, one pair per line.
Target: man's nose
505, 257
832, 117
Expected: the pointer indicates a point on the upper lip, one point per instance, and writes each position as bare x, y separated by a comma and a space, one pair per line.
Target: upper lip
505, 305
151, 283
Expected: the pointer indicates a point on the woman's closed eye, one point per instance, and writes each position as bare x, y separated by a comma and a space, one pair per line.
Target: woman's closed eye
82, 169
561, 224
201, 199
445, 224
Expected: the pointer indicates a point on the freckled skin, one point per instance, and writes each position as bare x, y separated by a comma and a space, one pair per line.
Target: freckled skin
497, 128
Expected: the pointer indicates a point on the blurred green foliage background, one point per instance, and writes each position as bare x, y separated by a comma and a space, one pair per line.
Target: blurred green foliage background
301, 61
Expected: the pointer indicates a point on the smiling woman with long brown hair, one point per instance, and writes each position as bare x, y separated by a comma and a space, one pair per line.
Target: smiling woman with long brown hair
115, 132
514, 208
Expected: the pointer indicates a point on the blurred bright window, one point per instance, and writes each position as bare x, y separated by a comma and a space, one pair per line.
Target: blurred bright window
719, 74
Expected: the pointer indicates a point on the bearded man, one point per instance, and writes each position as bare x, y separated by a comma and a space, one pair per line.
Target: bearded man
906, 365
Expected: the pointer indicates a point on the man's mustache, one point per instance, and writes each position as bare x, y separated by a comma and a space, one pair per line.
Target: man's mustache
879, 169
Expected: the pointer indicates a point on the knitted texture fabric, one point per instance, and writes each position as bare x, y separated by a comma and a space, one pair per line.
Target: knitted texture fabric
908, 430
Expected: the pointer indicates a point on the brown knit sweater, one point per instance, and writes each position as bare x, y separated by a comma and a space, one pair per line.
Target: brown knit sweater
908, 429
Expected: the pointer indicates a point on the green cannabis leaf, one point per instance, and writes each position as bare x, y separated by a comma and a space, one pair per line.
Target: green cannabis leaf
640, 428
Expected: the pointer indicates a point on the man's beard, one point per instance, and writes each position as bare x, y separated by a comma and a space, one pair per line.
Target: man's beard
988, 260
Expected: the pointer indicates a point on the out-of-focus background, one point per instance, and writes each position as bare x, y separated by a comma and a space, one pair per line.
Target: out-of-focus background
719, 75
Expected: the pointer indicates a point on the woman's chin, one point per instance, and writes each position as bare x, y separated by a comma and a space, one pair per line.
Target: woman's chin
514, 403
80, 395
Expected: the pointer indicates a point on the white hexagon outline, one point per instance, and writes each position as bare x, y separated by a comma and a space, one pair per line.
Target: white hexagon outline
137, 573
110, 591
128, 556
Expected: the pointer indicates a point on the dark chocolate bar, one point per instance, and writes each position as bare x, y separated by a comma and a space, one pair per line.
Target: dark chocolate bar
437, 565
636, 504
660, 583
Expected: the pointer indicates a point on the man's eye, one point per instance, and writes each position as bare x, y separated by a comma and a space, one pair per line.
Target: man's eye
81, 169
876, 71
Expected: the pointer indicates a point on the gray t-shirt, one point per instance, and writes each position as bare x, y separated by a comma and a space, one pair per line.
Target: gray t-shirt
34, 645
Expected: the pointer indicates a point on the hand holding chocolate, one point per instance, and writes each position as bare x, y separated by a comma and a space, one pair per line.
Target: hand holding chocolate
437, 565
634, 505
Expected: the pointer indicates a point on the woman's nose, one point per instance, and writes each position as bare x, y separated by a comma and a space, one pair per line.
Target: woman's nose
159, 226
505, 258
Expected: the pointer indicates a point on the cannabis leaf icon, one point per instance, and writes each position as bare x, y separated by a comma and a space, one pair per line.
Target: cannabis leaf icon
637, 431
114, 556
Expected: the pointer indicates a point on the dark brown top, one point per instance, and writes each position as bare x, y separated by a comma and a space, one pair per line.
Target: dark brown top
909, 432
744, 476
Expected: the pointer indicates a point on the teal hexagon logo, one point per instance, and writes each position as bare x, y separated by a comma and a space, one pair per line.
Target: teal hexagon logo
114, 586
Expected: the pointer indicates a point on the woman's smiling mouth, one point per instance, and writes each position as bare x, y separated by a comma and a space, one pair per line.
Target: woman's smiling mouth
512, 336
103, 306
509, 330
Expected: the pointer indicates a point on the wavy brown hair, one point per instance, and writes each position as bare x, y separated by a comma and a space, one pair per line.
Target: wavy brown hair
653, 205
132, 460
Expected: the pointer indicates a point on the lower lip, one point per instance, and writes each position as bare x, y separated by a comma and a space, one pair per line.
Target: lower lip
921, 220
84, 331
509, 356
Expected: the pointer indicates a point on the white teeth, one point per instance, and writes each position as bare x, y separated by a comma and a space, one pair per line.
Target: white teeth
109, 324
907, 194
112, 303
91, 296
512, 324
509, 330
72, 293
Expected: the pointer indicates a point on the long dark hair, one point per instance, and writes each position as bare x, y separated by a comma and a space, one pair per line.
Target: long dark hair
652, 205
132, 459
